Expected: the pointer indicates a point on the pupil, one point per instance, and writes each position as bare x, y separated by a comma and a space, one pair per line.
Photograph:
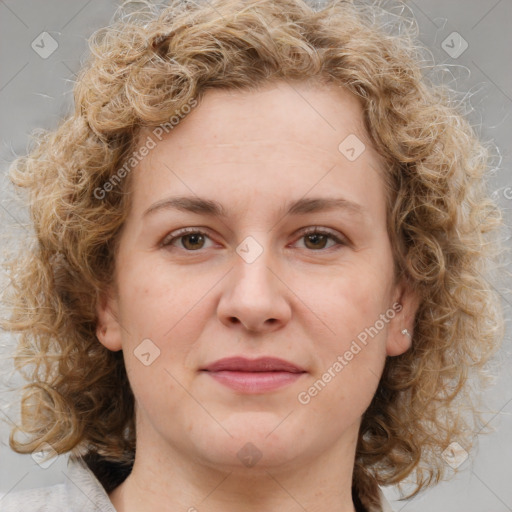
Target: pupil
194, 239
315, 238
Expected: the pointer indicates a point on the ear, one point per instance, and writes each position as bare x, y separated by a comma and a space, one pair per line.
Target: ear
108, 328
397, 342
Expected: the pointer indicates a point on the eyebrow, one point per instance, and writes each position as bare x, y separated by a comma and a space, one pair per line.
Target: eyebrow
215, 209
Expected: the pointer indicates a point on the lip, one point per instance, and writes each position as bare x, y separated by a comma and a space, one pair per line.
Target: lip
261, 364
254, 375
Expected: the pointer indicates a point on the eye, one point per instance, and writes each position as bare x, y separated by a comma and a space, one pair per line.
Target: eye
317, 238
192, 239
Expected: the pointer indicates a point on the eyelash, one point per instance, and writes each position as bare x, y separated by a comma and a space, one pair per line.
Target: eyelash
168, 240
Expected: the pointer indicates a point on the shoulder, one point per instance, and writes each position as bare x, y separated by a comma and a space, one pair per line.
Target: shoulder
43, 499
377, 502
384, 503
81, 491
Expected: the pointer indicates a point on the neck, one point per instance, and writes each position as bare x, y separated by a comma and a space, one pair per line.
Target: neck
165, 479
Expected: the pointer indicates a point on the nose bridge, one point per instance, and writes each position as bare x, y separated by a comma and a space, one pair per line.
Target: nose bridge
253, 295
254, 274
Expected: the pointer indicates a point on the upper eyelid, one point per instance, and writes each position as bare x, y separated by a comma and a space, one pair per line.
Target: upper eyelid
183, 232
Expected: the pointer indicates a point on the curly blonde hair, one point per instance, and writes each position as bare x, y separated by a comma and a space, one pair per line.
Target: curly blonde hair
442, 223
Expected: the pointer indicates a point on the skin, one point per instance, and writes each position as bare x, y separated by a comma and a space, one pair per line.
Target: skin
302, 299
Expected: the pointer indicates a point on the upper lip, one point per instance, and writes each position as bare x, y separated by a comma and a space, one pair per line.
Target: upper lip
261, 364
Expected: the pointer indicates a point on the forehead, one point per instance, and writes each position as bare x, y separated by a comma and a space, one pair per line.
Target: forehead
299, 112
282, 139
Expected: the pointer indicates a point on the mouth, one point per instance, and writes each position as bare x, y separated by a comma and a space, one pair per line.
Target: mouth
261, 364
254, 375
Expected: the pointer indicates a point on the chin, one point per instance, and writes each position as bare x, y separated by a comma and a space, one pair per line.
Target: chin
253, 445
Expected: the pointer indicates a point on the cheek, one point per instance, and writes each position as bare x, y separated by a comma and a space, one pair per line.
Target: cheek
353, 300
158, 326
351, 352
158, 302
350, 359
163, 314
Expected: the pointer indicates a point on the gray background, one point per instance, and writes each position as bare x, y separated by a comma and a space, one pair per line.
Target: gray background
36, 92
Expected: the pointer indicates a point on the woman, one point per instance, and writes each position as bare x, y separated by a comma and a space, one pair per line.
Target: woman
259, 270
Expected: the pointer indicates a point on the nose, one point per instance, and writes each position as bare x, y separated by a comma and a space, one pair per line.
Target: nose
254, 296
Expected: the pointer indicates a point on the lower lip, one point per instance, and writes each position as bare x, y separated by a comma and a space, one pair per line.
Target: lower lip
254, 382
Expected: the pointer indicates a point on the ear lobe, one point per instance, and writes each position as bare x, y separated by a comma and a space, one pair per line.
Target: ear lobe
108, 328
399, 342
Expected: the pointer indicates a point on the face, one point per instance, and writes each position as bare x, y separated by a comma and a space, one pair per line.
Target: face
196, 285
